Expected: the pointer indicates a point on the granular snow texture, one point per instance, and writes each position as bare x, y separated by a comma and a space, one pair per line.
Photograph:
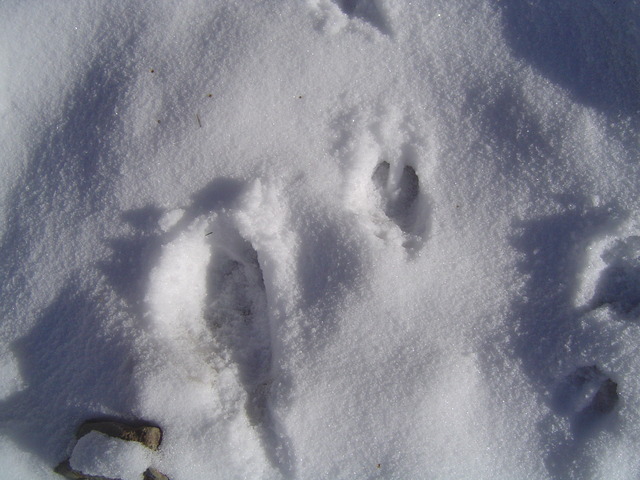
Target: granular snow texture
322, 239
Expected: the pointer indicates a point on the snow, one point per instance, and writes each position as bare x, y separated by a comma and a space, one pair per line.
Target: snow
98, 454
321, 238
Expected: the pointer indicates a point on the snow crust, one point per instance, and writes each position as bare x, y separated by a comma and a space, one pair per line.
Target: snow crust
322, 238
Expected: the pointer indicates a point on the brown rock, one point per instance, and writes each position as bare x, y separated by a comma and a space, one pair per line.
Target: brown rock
64, 469
153, 474
148, 435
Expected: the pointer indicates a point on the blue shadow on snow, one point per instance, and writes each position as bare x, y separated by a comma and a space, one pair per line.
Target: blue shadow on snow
591, 47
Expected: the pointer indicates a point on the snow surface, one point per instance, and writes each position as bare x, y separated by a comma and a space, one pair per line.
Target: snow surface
340, 239
98, 454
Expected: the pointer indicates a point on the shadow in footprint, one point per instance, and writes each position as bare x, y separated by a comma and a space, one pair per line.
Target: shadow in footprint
366, 10
553, 251
402, 201
586, 392
236, 306
74, 369
619, 283
585, 397
547, 321
236, 313
400, 204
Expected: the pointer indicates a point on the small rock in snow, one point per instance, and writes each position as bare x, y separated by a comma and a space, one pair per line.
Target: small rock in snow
153, 474
148, 435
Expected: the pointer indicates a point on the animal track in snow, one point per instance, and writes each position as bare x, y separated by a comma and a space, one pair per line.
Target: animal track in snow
208, 308
236, 312
585, 398
384, 162
367, 10
399, 196
618, 285
334, 15
560, 340
586, 391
